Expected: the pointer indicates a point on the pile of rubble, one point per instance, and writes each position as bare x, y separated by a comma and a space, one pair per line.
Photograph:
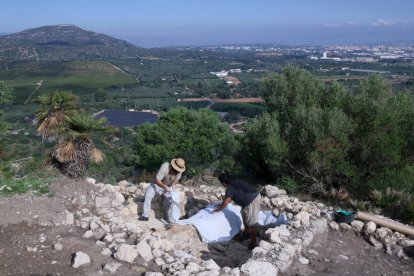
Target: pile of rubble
109, 214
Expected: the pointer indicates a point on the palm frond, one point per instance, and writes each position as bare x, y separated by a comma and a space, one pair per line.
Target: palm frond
65, 151
53, 107
97, 156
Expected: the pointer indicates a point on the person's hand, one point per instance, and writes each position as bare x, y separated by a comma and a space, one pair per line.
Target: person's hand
167, 189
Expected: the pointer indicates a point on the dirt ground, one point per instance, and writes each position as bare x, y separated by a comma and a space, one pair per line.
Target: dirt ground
343, 253
28, 232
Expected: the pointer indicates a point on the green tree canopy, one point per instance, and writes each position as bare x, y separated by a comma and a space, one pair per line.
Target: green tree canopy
6, 97
198, 136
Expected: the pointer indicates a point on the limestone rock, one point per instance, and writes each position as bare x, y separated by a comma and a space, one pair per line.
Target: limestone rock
258, 268
192, 267
345, 226
80, 259
357, 225
334, 225
370, 227
126, 253
272, 191
88, 234
90, 180
210, 265
69, 219
144, 250
303, 217
58, 247
303, 260
111, 267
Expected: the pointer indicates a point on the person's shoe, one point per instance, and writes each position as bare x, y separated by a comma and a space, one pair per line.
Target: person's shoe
142, 218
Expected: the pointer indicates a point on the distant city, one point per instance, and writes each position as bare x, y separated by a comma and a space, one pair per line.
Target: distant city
348, 53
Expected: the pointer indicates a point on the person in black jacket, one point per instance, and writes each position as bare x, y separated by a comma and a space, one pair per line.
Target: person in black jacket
248, 198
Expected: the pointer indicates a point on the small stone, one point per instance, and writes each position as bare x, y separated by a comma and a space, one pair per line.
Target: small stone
58, 247
111, 267
80, 259
345, 226
313, 252
303, 260
357, 225
106, 252
370, 227
334, 226
88, 234
343, 257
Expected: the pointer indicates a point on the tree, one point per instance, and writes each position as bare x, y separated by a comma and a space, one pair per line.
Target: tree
198, 136
74, 132
263, 150
76, 148
53, 109
313, 124
101, 95
6, 97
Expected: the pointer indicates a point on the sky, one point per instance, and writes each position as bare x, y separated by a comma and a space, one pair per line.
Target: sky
161, 23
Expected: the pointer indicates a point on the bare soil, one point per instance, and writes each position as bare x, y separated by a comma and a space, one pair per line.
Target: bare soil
332, 250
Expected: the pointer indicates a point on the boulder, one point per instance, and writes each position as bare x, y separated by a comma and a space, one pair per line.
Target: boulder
258, 268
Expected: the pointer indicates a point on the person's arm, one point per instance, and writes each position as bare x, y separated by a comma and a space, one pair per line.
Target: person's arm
161, 185
223, 205
160, 176
176, 180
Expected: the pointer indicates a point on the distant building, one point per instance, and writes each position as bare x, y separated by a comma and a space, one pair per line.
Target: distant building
220, 74
365, 59
325, 56
232, 80
235, 70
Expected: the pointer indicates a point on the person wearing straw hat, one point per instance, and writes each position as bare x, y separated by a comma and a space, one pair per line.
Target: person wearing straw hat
163, 184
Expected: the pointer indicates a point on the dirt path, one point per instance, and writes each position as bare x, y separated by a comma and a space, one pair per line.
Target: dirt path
39, 84
343, 253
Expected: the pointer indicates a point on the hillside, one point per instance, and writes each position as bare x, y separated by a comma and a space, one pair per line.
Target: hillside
63, 42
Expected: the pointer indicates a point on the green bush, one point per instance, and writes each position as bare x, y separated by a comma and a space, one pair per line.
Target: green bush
324, 136
198, 136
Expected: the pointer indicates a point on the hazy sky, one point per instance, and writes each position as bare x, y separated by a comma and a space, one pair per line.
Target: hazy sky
152, 23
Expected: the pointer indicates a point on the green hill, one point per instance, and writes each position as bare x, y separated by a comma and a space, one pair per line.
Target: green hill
63, 42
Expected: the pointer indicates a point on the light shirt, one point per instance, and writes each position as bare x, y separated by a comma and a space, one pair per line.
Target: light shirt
164, 176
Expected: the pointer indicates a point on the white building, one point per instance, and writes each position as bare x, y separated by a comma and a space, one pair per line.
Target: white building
220, 74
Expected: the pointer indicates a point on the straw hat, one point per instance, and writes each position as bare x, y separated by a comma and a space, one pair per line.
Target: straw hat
178, 164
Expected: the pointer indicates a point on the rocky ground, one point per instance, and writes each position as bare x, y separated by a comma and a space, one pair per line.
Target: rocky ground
88, 228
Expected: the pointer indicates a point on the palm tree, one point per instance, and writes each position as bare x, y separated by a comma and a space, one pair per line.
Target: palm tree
76, 148
52, 111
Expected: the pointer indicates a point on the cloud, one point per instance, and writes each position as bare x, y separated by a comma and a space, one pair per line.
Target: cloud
339, 24
376, 23
383, 23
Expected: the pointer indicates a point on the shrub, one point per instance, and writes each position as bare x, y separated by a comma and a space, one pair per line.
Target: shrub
198, 136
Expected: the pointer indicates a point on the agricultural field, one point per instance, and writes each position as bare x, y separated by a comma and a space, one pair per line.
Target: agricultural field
80, 77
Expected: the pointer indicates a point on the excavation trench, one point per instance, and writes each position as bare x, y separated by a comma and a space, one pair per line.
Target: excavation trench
232, 253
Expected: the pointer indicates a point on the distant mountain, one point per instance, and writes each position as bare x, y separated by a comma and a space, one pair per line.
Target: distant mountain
63, 42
